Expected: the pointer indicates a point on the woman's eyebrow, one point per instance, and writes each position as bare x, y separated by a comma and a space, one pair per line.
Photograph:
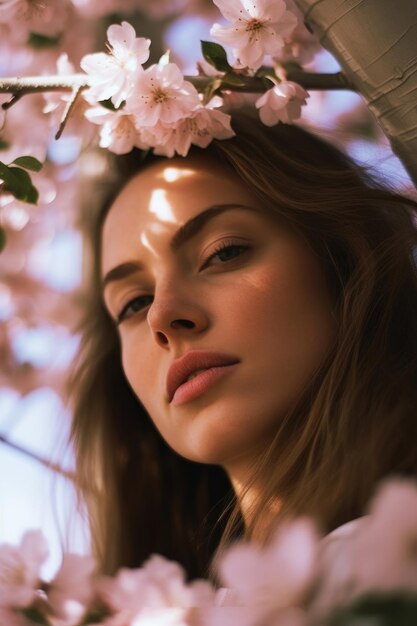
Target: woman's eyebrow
184, 233
195, 224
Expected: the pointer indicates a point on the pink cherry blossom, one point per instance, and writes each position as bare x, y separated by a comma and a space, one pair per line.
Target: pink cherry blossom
152, 594
335, 566
275, 577
252, 616
161, 9
118, 132
161, 95
231, 616
71, 590
259, 27
20, 569
374, 553
385, 550
95, 8
199, 128
111, 75
46, 17
281, 103
301, 45
153, 617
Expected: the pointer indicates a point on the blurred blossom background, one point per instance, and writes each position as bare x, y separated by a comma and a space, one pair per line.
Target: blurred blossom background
41, 267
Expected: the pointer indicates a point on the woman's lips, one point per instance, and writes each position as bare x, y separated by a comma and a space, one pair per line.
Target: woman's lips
191, 364
198, 385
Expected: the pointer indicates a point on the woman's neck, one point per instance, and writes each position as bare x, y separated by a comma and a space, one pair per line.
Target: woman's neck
249, 495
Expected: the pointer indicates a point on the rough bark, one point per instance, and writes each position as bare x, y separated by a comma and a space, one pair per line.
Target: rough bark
375, 42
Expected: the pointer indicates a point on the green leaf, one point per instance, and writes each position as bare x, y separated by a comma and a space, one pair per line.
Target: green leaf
42, 42
34, 616
386, 609
7, 176
3, 239
24, 190
29, 163
4, 144
216, 55
18, 183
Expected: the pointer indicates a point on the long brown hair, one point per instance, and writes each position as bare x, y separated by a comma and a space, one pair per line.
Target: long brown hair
354, 423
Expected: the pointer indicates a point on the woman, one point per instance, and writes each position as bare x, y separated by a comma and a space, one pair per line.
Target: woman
258, 362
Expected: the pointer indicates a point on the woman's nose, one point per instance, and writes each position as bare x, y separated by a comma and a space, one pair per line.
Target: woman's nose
176, 315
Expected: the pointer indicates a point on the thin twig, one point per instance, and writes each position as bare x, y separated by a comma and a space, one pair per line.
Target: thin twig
68, 109
48, 464
15, 98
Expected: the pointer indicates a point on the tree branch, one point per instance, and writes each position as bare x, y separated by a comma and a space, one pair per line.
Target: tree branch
22, 86
48, 464
67, 112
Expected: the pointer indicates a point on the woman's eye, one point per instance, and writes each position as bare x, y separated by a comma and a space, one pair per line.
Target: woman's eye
134, 306
226, 253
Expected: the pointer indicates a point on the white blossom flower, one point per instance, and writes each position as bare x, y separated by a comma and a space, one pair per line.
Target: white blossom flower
385, 551
252, 616
155, 594
375, 553
95, 9
118, 132
259, 27
302, 45
161, 95
46, 17
20, 570
152, 617
281, 103
273, 578
202, 126
71, 590
111, 75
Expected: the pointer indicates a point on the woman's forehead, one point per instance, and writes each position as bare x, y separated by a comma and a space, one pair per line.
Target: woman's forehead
172, 191
176, 173
160, 199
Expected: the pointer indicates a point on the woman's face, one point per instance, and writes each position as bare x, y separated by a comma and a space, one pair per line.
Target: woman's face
234, 297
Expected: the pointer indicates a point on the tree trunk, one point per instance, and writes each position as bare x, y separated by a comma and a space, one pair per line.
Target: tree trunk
375, 42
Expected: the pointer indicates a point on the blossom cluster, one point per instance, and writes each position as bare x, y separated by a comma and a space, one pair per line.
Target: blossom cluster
156, 107
297, 579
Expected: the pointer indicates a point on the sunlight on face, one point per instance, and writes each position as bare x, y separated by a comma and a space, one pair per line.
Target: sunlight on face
160, 206
172, 174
